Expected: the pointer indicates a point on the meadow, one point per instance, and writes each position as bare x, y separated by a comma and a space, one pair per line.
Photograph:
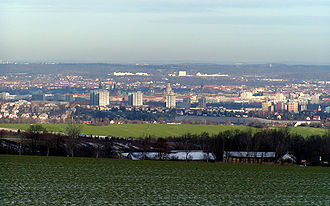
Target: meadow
159, 130
35, 180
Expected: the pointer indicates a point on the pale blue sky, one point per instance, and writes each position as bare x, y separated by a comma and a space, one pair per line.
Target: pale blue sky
165, 31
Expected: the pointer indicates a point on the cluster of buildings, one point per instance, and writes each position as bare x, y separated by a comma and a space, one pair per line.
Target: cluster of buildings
101, 97
282, 104
198, 74
26, 110
10, 110
174, 90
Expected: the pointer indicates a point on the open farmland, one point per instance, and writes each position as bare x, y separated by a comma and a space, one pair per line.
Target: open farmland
32, 180
159, 130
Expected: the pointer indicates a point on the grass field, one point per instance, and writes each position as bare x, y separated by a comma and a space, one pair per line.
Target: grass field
158, 130
32, 180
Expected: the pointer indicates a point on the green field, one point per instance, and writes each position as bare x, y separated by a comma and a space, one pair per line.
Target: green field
158, 130
33, 180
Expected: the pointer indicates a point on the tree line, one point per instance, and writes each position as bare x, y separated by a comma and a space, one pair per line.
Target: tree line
37, 141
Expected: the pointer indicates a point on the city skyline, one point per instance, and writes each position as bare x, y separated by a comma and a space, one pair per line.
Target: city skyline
164, 102
166, 31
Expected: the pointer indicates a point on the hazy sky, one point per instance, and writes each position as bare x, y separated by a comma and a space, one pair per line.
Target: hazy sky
159, 31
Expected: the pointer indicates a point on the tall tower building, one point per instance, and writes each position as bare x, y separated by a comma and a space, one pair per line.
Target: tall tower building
279, 97
170, 101
135, 99
293, 107
281, 106
266, 106
169, 89
315, 99
99, 97
303, 107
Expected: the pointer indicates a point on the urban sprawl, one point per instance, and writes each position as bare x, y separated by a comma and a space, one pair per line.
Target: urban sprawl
177, 96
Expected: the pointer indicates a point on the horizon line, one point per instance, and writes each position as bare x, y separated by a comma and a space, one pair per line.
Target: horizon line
146, 63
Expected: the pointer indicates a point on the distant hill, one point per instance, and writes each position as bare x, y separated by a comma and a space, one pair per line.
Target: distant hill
279, 70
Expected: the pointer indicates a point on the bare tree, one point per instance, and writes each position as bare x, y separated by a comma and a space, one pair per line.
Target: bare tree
162, 147
35, 131
50, 141
185, 142
146, 146
73, 131
98, 146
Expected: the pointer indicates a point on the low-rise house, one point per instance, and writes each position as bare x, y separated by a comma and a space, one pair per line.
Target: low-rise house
287, 158
25, 115
12, 116
248, 157
43, 116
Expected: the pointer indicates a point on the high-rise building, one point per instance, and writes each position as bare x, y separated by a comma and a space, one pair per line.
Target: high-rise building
303, 107
280, 107
293, 107
99, 97
279, 97
135, 99
266, 106
170, 101
315, 99
169, 89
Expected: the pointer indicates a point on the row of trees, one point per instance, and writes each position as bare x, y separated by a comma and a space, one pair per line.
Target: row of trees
280, 141
38, 141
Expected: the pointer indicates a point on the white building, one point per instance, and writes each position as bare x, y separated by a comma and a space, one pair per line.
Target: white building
4, 95
182, 73
171, 101
43, 116
315, 99
99, 97
135, 99
246, 95
211, 75
123, 74
279, 97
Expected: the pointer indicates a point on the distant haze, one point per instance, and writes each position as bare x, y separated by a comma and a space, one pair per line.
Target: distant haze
166, 31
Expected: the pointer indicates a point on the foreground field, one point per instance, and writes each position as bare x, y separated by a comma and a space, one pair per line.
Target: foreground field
158, 130
31, 180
